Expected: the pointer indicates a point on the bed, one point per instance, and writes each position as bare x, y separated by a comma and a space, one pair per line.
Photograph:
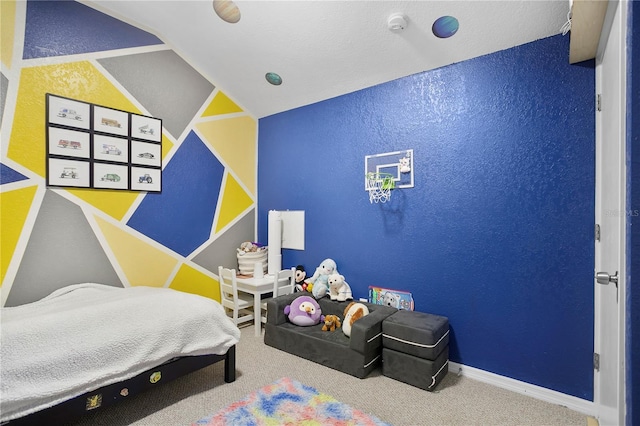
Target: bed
86, 346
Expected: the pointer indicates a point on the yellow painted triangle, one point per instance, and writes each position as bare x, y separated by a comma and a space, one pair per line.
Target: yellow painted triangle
14, 209
234, 139
192, 281
7, 30
234, 201
221, 104
142, 263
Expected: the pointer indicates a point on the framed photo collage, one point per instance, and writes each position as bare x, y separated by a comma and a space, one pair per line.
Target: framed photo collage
91, 146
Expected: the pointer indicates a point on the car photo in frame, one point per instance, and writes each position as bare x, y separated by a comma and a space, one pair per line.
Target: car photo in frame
146, 179
148, 128
110, 148
68, 143
110, 176
107, 120
149, 154
68, 112
71, 173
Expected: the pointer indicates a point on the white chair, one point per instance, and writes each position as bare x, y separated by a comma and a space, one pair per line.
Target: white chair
239, 303
283, 283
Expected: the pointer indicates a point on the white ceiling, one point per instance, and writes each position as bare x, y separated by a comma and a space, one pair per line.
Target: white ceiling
323, 49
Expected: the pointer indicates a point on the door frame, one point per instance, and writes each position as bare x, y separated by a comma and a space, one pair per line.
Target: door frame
605, 414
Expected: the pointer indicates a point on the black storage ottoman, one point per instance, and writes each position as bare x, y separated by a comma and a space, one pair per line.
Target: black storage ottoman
415, 348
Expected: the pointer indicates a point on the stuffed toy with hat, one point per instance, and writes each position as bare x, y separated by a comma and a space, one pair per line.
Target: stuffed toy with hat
353, 312
338, 288
304, 311
331, 322
321, 276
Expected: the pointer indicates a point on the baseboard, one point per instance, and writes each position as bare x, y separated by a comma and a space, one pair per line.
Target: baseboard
538, 392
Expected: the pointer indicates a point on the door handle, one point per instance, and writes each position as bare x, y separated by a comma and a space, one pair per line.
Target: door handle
605, 278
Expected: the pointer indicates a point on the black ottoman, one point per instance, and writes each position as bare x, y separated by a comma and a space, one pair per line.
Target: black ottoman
415, 348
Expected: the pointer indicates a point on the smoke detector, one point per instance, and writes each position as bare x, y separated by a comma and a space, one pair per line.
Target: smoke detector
397, 22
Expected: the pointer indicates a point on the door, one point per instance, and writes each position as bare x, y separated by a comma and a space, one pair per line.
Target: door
610, 215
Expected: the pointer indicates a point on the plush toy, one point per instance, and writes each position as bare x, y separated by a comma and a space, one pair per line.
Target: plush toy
331, 322
321, 276
301, 283
304, 310
353, 312
391, 299
338, 288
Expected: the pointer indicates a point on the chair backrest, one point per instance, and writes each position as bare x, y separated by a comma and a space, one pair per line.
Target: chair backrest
282, 286
228, 286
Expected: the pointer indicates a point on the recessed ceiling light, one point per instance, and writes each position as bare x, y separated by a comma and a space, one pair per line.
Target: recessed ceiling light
445, 26
273, 78
227, 10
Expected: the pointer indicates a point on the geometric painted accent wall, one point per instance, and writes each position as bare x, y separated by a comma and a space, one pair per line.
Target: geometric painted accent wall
52, 237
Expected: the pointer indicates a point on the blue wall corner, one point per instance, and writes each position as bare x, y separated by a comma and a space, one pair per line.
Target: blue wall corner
497, 233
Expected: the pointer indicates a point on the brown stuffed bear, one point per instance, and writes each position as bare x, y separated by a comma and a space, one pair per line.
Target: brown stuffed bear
331, 322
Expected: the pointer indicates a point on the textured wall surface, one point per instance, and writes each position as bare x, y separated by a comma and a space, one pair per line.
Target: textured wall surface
497, 233
55, 237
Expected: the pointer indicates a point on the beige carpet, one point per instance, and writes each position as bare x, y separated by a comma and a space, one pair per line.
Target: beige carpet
457, 401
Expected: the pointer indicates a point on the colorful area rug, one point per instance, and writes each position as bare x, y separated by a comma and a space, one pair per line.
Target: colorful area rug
288, 402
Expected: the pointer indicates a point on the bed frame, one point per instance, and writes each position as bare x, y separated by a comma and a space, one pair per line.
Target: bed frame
111, 394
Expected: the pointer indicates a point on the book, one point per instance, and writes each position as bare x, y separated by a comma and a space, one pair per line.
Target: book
395, 298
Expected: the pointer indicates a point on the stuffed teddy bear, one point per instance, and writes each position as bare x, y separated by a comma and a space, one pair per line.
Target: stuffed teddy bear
321, 276
304, 311
331, 322
353, 312
338, 288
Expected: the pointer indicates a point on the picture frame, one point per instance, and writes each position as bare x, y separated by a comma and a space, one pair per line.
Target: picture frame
109, 120
147, 128
110, 148
110, 176
70, 173
146, 179
68, 112
68, 143
149, 154
92, 146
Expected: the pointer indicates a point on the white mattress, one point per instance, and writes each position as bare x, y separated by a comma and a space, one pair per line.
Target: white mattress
86, 336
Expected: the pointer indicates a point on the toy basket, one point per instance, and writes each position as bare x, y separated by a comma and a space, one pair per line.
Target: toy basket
246, 260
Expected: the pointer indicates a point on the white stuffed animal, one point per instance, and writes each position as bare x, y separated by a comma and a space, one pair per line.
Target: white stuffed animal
338, 288
391, 299
321, 276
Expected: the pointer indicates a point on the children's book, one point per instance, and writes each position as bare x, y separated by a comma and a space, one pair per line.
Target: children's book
395, 298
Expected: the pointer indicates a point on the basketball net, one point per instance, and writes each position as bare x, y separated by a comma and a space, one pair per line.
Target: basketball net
379, 186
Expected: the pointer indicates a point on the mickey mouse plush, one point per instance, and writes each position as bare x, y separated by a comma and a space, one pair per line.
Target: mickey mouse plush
301, 284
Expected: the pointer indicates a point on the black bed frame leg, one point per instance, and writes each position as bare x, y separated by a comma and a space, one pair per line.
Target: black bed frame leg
230, 365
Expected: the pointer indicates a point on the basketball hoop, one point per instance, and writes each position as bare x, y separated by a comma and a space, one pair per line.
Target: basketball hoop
379, 186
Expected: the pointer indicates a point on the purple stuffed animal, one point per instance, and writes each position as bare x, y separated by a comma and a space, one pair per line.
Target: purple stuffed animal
305, 311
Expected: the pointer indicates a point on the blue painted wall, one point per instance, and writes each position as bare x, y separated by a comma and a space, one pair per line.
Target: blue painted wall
497, 233
633, 203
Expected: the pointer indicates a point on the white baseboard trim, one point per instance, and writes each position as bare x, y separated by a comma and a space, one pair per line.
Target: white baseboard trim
538, 392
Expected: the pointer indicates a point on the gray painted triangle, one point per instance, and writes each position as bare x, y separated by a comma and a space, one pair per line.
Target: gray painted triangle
167, 86
62, 250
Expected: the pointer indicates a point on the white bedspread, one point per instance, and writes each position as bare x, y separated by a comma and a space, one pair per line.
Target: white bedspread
85, 336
